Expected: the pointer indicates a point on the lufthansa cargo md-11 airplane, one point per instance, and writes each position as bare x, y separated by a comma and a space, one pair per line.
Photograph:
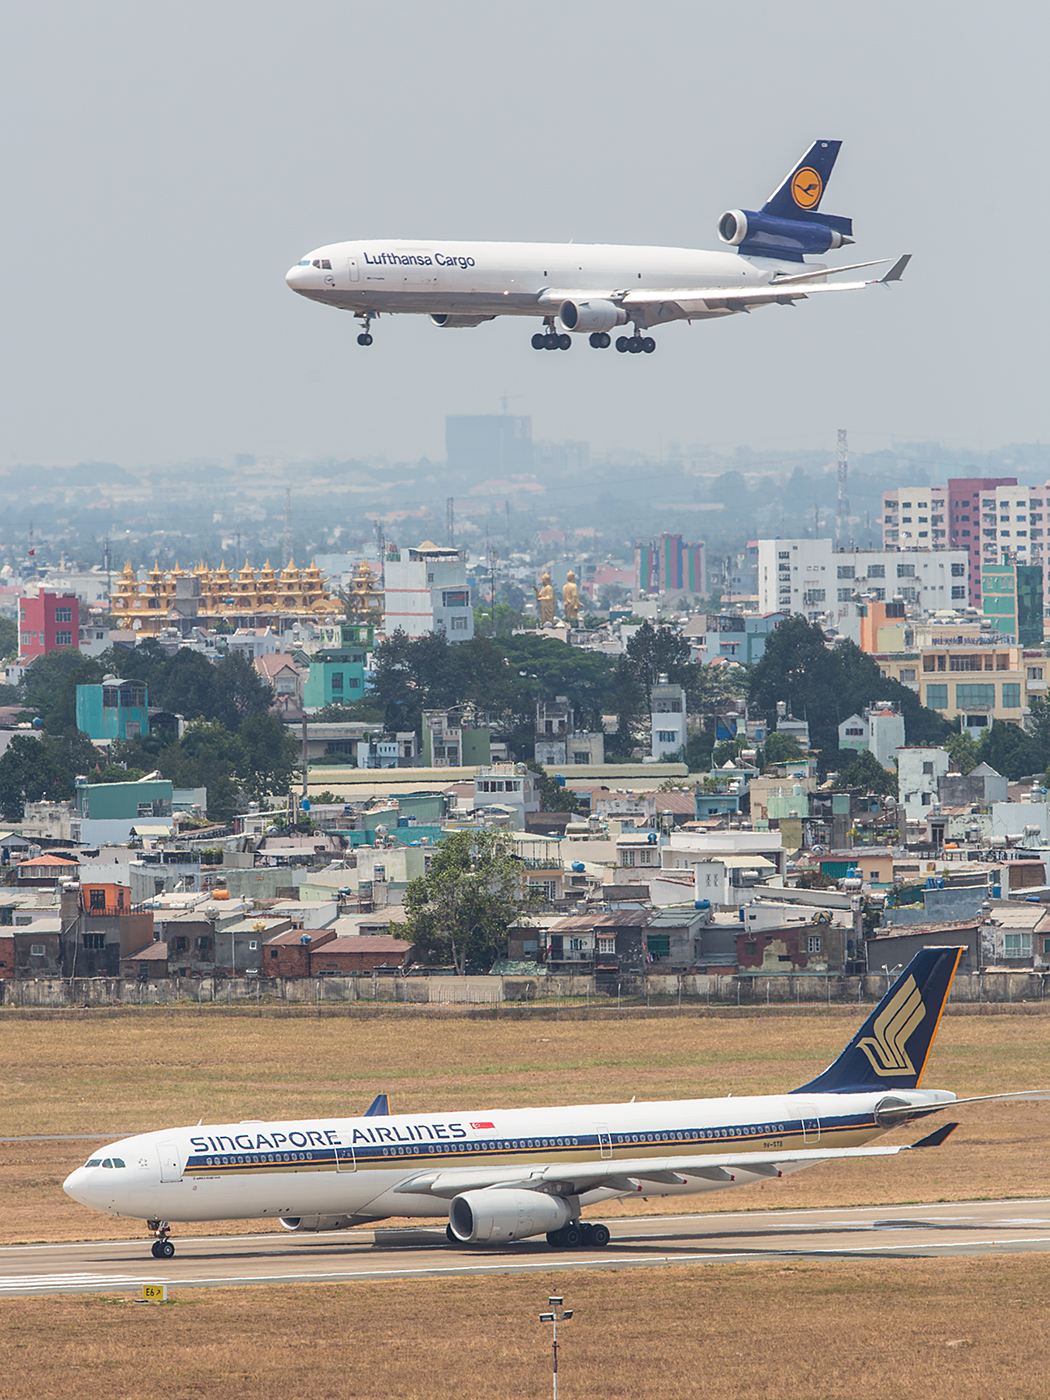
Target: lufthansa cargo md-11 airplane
593, 289
507, 1174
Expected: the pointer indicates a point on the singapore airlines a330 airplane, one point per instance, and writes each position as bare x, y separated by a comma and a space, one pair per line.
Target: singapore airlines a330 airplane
505, 1175
592, 289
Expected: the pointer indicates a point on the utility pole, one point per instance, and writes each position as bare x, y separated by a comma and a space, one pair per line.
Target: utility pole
556, 1315
450, 519
109, 580
842, 523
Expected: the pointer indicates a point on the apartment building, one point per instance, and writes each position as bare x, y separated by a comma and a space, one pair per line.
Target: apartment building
964, 515
813, 578
427, 591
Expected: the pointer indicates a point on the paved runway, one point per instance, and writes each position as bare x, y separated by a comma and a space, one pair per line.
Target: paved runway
930, 1232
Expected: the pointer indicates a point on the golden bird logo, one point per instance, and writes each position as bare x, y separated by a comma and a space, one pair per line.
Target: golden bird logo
892, 1030
806, 188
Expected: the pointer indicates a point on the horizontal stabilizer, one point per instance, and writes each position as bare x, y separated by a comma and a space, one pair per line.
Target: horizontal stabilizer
935, 1138
896, 272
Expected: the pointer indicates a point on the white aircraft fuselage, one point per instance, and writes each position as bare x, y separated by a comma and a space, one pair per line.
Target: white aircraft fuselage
366, 1167
455, 278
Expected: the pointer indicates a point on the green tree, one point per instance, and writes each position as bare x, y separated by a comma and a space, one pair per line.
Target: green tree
8, 637
1039, 728
782, 748
554, 796
1010, 751
825, 686
186, 686
271, 756
49, 686
240, 691
629, 704
655, 651
460, 910
208, 756
964, 751
42, 769
865, 772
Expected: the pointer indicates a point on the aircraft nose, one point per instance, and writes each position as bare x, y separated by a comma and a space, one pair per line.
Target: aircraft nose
77, 1185
296, 277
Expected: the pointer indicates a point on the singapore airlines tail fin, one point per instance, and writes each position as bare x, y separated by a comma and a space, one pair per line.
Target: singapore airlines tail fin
891, 1048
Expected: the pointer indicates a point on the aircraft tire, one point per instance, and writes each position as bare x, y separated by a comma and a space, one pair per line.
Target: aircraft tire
364, 338
621, 343
166, 1249
554, 1237
550, 341
539, 341
594, 340
154, 1249
571, 1236
634, 345
599, 1236
565, 342
450, 1236
648, 344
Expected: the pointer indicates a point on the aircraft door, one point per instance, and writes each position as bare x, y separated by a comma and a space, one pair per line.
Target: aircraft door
170, 1162
353, 270
604, 1140
345, 1161
810, 1131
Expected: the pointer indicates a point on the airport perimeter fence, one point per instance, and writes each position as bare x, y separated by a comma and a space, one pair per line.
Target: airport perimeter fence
1014, 992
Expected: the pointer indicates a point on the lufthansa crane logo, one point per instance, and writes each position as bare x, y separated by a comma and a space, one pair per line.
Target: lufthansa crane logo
806, 188
887, 1048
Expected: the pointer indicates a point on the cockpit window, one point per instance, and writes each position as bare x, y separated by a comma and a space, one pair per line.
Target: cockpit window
108, 1162
118, 1161
94, 1162
325, 262
304, 262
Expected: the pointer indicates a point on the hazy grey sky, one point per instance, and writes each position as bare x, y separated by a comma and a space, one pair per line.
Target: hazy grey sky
164, 164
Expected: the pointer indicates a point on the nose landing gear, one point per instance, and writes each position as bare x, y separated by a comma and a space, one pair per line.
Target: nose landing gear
365, 338
162, 1247
600, 340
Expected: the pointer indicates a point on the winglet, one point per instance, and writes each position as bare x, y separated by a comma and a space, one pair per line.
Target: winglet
896, 272
378, 1108
935, 1138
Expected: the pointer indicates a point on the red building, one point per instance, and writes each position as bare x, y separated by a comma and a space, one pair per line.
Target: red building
47, 622
964, 531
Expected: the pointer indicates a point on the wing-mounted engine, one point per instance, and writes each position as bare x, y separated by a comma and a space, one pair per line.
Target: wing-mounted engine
599, 314
498, 1215
448, 321
765, 235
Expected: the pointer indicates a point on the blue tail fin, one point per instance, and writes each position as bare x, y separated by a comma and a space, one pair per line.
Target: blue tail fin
891, 1048
803, 189
379, 1107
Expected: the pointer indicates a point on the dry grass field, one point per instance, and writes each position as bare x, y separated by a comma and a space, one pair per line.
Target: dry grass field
958, 1329
129, 1072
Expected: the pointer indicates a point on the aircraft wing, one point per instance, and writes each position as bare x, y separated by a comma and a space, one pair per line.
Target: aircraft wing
685, 303
906, 1113
630, 1175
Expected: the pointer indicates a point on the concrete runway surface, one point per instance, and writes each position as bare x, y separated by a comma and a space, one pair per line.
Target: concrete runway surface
880, 1232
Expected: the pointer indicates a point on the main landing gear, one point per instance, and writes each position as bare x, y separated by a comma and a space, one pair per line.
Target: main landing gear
365, 338
635, 344
550, 339
579, 1235
162, 1247
599, 340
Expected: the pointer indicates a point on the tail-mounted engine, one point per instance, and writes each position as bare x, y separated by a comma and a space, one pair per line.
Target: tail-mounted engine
765, 235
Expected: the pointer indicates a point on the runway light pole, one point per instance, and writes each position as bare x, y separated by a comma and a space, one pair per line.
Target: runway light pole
556, 1315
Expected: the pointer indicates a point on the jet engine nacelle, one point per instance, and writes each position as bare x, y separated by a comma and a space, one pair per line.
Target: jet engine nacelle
764, 235
498, 1215
590, 316
451, 322
309, 1224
